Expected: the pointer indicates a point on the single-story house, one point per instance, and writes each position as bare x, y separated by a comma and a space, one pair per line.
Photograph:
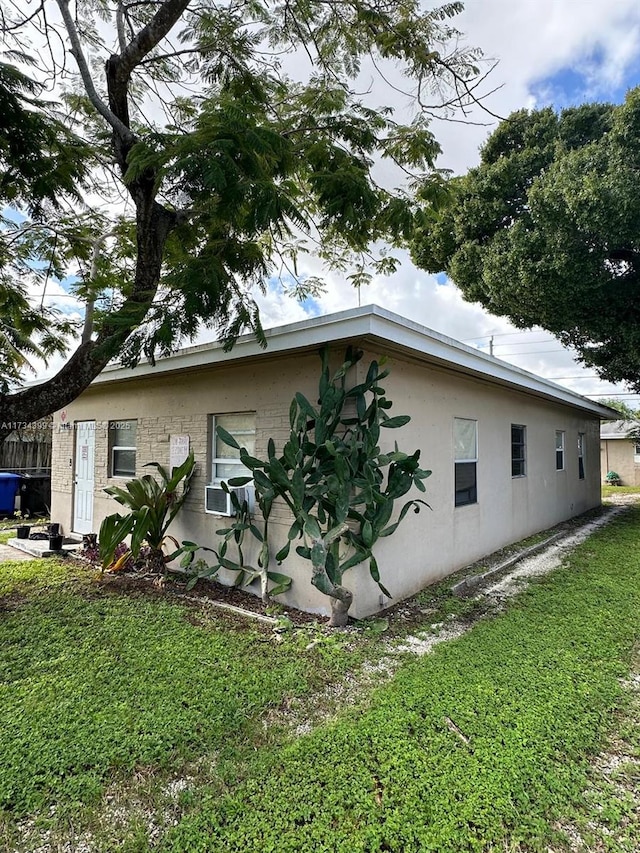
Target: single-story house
511, 453
619, 453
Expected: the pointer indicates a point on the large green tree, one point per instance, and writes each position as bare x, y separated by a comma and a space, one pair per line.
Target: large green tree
546, 230
226, 138
41, 160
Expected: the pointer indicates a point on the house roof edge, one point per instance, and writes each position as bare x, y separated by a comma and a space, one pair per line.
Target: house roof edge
368, 321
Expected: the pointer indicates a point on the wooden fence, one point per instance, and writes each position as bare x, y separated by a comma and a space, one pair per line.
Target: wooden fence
26, 450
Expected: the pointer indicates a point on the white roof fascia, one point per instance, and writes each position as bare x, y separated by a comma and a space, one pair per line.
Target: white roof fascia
368, 321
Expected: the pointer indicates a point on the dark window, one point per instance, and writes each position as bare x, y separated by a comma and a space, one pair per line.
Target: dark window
518, 450
581, 455
559, 450
466, 485
465, 435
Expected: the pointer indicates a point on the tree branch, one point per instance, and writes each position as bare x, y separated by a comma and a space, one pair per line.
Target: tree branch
627, 255
150, 36
122, 40
87, 80
87, 329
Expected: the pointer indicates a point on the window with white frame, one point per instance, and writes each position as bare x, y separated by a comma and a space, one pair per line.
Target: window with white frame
581, 456
559, 450
122, 448
518, 450
465, 439
225, 460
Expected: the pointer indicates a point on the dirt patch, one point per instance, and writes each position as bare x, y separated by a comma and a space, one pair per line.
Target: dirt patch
202, 594
401, 618
622, 498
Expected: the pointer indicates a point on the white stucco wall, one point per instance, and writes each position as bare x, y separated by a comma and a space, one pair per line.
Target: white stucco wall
427, 546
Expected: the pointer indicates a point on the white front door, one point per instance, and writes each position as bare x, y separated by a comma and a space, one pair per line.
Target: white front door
84, 474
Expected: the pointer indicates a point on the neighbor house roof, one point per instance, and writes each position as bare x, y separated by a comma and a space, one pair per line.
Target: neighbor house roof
371, 325
616, 429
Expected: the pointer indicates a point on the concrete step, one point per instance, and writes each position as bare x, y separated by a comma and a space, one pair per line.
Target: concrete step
40, 547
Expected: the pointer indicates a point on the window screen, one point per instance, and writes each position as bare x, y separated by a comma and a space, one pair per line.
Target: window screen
123, 440
559, 450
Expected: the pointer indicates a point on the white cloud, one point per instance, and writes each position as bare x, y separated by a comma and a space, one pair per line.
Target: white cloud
533, 40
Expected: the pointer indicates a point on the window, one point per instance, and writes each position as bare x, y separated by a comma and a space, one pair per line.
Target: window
559, 450
518, 450
465, 437
122, 438
581, 456
225, 460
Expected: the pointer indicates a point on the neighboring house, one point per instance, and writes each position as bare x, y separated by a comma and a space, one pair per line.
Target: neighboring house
511, 453
618, 453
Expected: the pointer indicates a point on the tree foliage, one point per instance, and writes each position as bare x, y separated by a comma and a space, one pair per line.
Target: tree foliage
628, 413
41, 161
153, 503
229, 138
546, 230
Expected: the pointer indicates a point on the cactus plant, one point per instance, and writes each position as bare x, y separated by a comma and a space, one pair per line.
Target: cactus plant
340, 487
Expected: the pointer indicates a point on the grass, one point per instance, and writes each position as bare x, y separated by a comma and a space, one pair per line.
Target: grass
608, 491
607, 818
485, 745
481, 745
11, 523
95, 687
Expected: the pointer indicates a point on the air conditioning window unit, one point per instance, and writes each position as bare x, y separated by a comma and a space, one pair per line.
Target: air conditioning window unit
218, 502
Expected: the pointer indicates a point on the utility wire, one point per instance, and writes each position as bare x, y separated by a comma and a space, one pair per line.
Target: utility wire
502, 335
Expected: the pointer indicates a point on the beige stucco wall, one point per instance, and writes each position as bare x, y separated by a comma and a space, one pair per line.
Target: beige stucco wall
427, 546
619, 455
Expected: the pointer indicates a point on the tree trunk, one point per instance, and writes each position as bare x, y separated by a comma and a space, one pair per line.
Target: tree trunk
155, 561
153, 225
264, 589
339, 608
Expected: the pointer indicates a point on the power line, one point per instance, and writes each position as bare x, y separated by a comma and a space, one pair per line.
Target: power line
529, 343
586, 376
532, 352
500, 335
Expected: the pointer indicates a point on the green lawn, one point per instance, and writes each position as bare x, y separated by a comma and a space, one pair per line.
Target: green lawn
483, 745
608, 491
530, 694
96, 685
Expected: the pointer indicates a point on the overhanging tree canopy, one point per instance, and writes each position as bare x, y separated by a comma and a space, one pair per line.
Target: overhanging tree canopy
222, 163
41, 160
546, 230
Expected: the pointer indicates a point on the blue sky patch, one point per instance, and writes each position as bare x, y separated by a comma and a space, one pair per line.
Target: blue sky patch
311, 306
585, 82
275, 286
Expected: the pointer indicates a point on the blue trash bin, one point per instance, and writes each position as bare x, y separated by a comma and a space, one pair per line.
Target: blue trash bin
9, 487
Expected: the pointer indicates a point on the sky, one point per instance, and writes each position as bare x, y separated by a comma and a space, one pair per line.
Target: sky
548, 52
